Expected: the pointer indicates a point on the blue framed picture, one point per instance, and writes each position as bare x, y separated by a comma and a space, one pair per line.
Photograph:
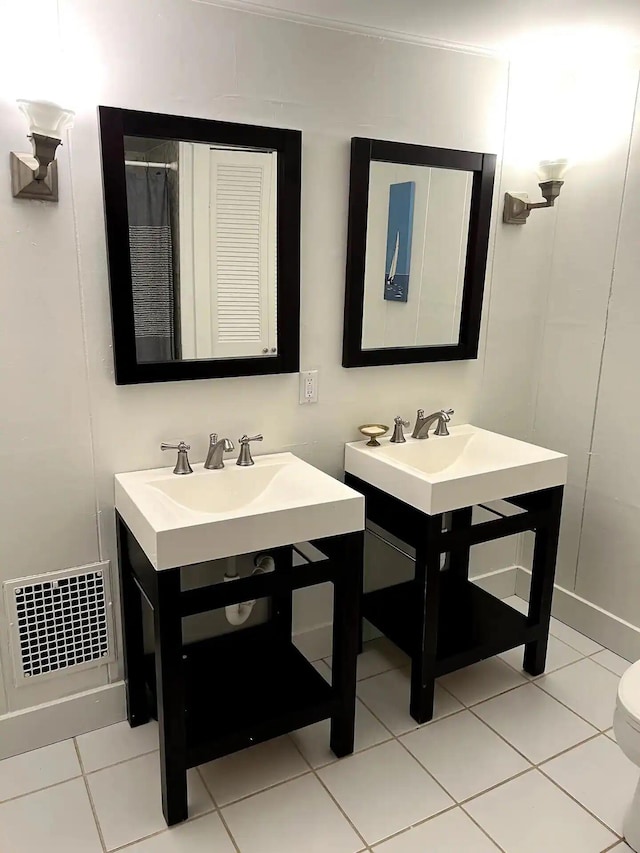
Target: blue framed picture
399, 232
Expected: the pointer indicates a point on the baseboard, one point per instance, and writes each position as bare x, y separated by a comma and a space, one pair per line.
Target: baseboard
42, 725
501, 582
605, 628
315, 643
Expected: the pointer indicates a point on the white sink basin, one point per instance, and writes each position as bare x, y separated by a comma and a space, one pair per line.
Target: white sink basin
467, 467
203, 494
179, 520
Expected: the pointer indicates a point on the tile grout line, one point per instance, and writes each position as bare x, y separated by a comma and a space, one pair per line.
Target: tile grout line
160, 832
602, 666
118, 763
564, 705
342, 811
482, 829
536, 768
218, 809
391, 668
567, 643
539, 767
228, 831
531, 679
129, 844
398, 739
582, 805
244, 797
337, 804
597, 733
392, 736
535, 683
456, 803
534, 764
89, 796
39, 790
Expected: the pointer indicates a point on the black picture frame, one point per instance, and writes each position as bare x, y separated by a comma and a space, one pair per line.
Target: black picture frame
116, 123
483, 166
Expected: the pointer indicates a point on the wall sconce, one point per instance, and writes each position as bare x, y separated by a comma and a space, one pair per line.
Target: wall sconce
517, 206
36, 175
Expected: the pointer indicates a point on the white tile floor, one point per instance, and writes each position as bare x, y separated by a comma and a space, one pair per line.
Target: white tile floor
510, 763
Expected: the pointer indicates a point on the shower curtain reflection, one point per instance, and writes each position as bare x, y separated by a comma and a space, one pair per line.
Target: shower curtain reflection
152, 263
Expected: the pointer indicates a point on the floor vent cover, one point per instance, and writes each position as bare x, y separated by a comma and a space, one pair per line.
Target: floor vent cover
60, 621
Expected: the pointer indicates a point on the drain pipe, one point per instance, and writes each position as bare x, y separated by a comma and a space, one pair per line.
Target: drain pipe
237, 614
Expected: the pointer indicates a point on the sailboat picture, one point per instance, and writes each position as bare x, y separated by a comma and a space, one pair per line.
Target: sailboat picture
399, 232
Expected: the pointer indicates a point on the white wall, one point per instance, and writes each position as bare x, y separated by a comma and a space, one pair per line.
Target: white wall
490, 24
69, 427
588, 381
585, 382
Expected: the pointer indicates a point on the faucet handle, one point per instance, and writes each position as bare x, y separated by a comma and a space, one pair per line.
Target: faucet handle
398, 433
182, 462
180, 446
247, 438
245, 458
441, 429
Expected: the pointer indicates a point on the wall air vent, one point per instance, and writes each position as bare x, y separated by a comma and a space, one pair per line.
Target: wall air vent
60, 621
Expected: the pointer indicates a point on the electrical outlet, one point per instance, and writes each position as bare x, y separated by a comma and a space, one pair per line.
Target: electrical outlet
308, 386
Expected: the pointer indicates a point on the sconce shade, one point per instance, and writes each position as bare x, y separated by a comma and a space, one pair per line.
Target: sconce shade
35, 176
552, 170
46, 118
517, 206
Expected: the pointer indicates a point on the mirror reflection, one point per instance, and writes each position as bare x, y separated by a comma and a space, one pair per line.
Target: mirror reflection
202, 224
416, 249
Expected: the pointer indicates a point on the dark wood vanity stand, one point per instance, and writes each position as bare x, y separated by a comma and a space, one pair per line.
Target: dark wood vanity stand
441, 619
220, 695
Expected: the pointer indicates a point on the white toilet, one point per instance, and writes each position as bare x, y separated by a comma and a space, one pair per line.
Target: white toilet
626, 725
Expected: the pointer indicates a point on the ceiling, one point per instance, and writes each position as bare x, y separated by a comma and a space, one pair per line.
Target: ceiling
494, 25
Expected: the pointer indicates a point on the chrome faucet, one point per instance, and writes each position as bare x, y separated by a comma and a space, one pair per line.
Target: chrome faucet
217, 449
182, 463
421, 429
244, 459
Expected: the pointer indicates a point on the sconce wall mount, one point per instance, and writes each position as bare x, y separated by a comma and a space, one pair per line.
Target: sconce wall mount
517, 206
35, 175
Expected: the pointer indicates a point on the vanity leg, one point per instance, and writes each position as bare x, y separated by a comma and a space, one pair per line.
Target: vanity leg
132, 637
282, 604
459, 558
347, 597
171, 700
542, 576
427, 583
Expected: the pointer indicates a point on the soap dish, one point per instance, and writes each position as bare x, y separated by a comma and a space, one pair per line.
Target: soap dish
372, 432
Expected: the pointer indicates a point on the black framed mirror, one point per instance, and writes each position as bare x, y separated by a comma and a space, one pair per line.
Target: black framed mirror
417, 246
203, 243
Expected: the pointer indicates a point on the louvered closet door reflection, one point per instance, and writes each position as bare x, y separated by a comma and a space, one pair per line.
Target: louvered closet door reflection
242, 253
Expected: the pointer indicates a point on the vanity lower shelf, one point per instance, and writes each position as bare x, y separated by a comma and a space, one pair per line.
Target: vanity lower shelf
246, 687
472, 623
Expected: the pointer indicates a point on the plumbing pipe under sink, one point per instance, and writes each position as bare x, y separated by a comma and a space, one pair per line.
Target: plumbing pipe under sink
237, 614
